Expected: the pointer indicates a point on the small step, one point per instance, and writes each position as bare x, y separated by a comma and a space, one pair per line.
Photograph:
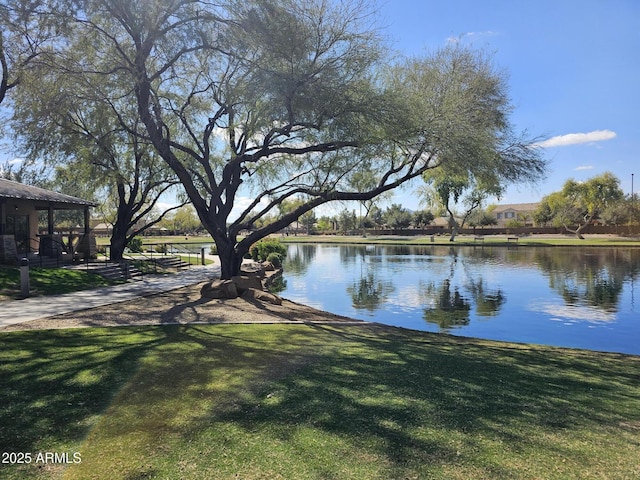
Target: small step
114, 271
43, 261
128, 271
171, 262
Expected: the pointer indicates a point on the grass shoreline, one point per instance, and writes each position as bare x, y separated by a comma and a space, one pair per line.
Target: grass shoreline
313, 401
440, 239
469, 240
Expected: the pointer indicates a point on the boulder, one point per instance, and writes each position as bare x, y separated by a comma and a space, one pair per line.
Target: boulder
252, 269
219, 289
253, 294
268, 267
244, 282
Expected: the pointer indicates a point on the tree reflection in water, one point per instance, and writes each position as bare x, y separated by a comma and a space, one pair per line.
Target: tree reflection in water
369, 293
452, 286
590, 277
450, 308
299, 257
488, 301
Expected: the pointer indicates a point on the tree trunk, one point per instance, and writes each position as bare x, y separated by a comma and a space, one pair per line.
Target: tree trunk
118, 244
579, 230
230, 260
454, 227
120, 227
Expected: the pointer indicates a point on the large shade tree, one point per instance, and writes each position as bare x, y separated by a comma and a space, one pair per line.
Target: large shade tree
397, 217
26, 30
459, 195
68, 122
65, 119
284, 100
578, 204
482, 154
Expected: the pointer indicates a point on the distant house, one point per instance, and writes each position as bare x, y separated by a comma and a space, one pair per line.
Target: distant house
19, 207
520, 212
102, 229
442, 222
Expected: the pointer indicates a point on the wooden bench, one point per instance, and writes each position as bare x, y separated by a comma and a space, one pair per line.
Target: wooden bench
509, 239
478, 239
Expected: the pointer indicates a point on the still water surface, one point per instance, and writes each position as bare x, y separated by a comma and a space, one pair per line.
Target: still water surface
581, 298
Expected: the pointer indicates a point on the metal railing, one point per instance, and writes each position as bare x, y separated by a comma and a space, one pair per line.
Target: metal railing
192, 251
62, 249
149, 260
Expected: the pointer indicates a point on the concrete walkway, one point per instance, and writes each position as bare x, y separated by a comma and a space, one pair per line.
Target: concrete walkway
18, 311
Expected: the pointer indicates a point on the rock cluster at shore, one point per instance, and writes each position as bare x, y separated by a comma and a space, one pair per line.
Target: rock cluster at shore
251, 284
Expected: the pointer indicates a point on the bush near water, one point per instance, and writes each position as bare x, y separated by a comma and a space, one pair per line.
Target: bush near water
268, 250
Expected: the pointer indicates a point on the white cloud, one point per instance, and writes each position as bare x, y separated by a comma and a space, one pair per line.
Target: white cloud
584, 167
571, 313
471, 36
162, 206
486, 33
577, 138
242, 202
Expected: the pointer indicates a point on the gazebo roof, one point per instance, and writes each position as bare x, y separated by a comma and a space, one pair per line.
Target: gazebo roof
15, 190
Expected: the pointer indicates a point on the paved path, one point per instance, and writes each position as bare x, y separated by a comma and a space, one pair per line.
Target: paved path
18, 311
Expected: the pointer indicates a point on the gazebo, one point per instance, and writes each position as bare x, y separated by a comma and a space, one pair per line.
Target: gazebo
19, 207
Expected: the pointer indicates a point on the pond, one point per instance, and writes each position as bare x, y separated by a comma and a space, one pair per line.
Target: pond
570, 297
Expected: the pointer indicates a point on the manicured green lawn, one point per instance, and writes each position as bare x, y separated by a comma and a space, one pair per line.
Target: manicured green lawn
461, 240
49, 281
169, 239
195, 259
533, 240
313, 402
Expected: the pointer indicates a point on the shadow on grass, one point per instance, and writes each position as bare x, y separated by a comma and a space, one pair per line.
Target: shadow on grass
50, 281
53, 383
412, 400
392, 403
404, 403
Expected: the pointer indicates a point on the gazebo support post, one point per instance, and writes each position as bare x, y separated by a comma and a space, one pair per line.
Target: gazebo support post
87, 225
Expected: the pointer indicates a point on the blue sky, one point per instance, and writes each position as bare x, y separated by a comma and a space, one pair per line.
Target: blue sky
573, 68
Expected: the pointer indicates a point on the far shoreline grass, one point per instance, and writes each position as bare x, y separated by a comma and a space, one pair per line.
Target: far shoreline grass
313, 401
468, 240
422, 240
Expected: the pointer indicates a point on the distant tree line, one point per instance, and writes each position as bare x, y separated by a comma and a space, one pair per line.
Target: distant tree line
598, 200
575, 207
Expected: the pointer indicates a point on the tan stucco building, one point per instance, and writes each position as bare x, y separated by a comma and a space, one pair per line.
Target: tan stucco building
521, 212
